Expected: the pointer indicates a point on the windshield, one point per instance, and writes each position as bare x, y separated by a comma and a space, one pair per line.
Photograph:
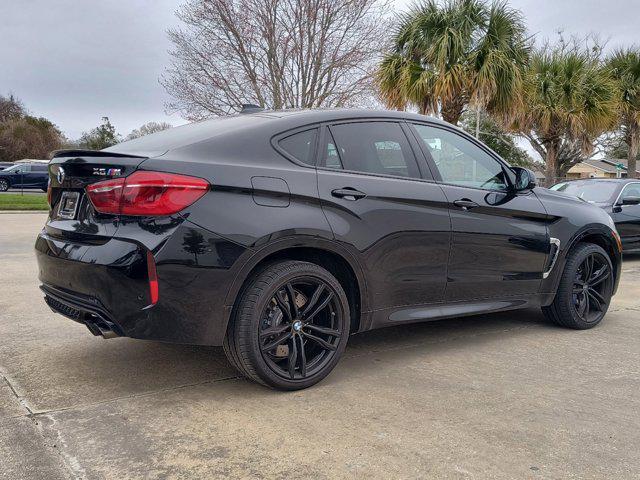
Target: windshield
596, 192
12, 168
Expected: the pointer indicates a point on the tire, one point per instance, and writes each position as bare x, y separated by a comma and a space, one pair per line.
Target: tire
4, 185
568, 308
285, 347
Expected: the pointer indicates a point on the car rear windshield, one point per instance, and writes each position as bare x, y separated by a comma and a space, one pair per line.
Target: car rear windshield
159, 143
591, 191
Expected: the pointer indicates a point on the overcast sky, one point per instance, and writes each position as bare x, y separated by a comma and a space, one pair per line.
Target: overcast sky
75, 61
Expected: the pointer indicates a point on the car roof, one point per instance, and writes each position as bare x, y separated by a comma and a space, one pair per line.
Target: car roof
270, 122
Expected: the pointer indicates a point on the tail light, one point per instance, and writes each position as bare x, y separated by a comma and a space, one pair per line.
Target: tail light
145, 193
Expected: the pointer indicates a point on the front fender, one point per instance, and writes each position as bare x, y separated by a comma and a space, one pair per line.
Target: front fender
598, 233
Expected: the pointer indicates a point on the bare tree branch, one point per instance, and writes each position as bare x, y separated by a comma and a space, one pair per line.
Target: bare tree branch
274, 53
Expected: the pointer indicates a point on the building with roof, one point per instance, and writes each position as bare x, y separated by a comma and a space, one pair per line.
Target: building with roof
599, 168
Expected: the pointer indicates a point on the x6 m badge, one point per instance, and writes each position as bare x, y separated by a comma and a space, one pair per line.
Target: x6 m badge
107, 172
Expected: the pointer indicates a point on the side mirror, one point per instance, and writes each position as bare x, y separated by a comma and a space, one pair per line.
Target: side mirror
525, 179
630, 201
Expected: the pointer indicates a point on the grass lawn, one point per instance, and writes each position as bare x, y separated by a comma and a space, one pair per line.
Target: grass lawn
15, 201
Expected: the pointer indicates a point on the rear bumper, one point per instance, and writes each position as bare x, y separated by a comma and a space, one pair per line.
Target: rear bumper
105, 286
86, 311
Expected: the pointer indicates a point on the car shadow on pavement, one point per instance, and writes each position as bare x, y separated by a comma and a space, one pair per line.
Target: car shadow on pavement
98, 370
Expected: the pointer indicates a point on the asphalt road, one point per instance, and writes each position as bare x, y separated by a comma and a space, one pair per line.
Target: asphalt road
500, 396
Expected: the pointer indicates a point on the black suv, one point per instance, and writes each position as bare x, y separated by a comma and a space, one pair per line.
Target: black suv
25, 175
278, 234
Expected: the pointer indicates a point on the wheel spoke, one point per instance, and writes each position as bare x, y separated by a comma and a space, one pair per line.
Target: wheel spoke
589, 268
324, 330
291, 295
597, 280
303, 357
593, 299
313, 300
293, 357
320, 341
587, 307
320, 307
277, 330
273, 344
286, 311
597, 296
582, 301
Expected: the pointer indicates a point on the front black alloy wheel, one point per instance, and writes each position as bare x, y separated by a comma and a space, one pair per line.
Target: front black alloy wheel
290, 326
585, 288
4, 185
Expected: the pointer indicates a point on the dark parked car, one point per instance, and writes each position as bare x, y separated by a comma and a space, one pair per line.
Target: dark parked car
277, 234
25, 175
620, 198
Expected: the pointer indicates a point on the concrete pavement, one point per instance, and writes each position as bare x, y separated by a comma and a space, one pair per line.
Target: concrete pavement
499, 396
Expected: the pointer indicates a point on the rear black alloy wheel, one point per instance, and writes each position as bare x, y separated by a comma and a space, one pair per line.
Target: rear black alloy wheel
585, 288
300, 328
4, 185
291, 326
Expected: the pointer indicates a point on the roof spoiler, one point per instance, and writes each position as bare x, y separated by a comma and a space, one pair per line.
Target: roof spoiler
251, 108
75, 152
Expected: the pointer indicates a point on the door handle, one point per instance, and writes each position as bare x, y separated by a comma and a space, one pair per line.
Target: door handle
465, 204
348, 193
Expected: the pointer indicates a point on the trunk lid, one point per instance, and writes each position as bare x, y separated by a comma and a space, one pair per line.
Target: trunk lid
72, 215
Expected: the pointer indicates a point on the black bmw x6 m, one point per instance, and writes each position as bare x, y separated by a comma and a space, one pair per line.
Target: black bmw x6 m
279, 234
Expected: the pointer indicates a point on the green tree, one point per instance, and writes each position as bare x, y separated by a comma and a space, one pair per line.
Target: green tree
28, 137
569, 100
496, 138
148, 129
448, 55
103, 136
624, 66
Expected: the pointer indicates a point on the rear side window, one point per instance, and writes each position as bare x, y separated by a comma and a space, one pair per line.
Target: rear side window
371, 147
301, 145
40, 168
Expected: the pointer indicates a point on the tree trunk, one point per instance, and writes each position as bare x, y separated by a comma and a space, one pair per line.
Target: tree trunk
551, 171
452, 111
634, 141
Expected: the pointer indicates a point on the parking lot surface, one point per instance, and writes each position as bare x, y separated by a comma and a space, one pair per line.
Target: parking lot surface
498, 396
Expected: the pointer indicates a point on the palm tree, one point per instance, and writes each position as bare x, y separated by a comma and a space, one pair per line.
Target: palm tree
569, 99
624, 66
448, 55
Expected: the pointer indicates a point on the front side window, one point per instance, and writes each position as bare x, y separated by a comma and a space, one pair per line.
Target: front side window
379, 148
301, 145
460, 162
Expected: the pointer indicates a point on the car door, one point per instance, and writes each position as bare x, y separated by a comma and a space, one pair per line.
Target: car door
500, 242
627, 217
20, 177
38, 177
377, 199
